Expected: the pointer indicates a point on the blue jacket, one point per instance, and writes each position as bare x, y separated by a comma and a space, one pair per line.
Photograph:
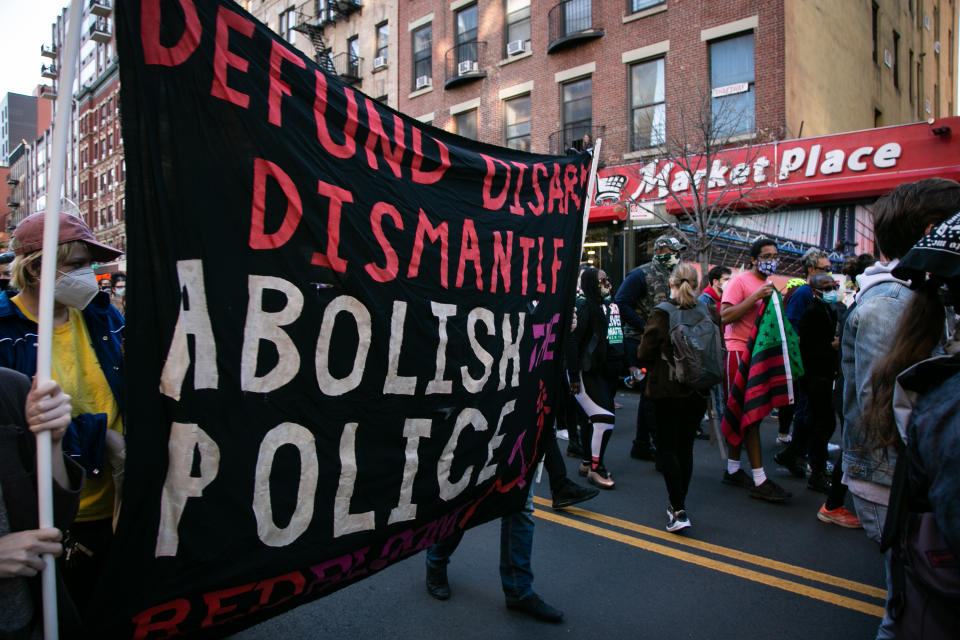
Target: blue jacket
928, 395
84, 440
881, 303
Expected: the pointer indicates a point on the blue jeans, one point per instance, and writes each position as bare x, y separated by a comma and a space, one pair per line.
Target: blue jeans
516, 549
872, 516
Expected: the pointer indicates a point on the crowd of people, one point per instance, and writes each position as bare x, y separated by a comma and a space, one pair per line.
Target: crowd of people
885, 365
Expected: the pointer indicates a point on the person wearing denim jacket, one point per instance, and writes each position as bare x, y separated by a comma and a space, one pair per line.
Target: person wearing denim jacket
880, 303
901, 218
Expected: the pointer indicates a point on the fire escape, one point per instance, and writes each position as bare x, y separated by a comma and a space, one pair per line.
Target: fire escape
312, 26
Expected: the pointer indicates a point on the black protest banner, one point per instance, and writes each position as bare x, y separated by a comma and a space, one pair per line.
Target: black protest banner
343, 325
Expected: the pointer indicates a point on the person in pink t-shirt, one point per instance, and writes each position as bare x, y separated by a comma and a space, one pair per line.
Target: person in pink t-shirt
742, 299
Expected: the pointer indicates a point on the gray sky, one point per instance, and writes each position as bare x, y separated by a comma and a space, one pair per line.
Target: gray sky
24, 26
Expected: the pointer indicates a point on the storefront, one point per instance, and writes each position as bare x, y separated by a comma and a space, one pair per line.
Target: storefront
812, 192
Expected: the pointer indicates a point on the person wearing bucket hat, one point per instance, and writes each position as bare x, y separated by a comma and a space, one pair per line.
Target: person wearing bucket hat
915, 400
86, 362
643, 289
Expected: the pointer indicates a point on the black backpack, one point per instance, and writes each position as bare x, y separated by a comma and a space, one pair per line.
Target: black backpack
697, 346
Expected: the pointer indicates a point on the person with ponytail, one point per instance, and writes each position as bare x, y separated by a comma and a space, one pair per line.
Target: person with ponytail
593, 365
678, 408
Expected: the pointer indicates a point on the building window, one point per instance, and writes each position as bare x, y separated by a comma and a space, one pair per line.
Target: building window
323, 12
647, 108
423, 57
516, 123
517, 29
731, 84
896, 59
383, 42
353, 57
577, 111
466, 29
578, 16
634, 6
910, 74
466, 124
876, 31
288, 20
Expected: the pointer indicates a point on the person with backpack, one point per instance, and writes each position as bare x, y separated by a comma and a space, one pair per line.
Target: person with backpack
681, 349
593, 360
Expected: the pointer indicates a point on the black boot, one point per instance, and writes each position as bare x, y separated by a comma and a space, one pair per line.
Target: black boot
437, 585
570, 493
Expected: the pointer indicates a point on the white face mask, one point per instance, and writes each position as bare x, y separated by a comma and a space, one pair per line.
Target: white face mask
76, 288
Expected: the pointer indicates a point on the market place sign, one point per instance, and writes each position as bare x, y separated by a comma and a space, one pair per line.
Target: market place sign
822, 169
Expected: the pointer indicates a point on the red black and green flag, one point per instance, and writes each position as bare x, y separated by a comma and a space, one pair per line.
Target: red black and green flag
767, 375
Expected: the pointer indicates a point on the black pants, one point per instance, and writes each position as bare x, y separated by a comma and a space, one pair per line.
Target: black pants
646, 418
677, 422
553, 461
813, 434
84, 565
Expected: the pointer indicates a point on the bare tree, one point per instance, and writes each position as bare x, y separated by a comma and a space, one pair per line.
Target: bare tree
699, 170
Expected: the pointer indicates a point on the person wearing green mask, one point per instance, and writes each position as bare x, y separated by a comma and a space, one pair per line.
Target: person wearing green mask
643, 289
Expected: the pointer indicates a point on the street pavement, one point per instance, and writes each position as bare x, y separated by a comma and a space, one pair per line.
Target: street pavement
745, 569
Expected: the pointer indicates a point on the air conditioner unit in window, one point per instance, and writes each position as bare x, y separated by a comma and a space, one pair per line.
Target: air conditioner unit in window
423, 81
515, 46
380, 61
467, 66
936, 47
887, 58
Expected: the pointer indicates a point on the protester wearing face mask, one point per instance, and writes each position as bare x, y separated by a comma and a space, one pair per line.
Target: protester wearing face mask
643, 289
742, 300
817, 329
86, 362
118, 294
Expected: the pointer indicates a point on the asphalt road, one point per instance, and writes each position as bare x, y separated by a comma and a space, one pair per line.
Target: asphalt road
745, 569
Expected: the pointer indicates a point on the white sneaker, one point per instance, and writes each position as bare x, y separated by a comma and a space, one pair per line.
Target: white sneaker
678, 520
832, 448
784, 438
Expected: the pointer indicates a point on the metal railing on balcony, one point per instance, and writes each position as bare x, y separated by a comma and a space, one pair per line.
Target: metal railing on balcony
100, 31
12, 181
571, 140
465, 62
48, 52
49, 71
13, 203
573, 21
101, 8
347, 66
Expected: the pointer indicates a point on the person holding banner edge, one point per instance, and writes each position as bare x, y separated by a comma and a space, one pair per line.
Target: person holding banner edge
87, 359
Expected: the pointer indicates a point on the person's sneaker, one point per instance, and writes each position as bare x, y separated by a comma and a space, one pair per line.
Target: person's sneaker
571, 493
677, 520
640, 452
819, 481
840, 516
437, 585
832, 448
534, 606
770, 491
738, 479
796, 468
784, 438
584, 469
600, 477
574, 450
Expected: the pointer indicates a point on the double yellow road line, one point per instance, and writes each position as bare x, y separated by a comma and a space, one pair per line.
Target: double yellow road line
578, 519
